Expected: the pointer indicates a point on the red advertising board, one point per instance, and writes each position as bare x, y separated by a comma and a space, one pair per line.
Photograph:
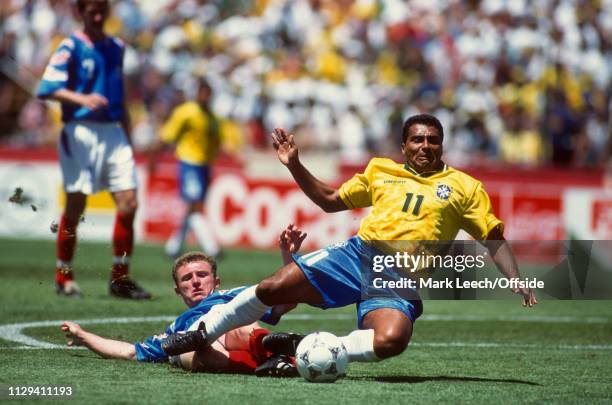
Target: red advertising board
244, 210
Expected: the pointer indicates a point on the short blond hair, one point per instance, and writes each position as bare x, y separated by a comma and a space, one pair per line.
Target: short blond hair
191, 257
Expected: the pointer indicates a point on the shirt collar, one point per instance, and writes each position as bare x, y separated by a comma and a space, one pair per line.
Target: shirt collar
425, 174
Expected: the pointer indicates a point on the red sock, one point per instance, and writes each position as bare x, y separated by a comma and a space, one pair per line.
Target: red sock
123, 243
66, 239
256, 347
62, 276
240, 361
123, 234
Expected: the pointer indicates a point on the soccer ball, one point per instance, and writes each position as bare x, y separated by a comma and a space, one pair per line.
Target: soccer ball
321, 357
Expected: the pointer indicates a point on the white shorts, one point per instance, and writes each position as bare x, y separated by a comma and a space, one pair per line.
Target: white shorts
96, 156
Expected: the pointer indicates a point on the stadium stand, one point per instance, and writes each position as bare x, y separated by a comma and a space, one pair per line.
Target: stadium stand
522, 82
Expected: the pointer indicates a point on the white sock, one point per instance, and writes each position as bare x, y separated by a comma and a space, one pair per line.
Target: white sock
121, 259
243, 310
360, 346
175, 243
200, 226
60, 264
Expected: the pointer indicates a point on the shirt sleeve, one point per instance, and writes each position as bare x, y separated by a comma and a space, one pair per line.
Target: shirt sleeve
356, 192
175, 125
150, 349
55, 76
478, 218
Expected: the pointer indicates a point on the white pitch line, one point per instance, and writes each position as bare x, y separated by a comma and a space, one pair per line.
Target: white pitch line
517, 318
513, 345
477, 345
14, 332
464, 318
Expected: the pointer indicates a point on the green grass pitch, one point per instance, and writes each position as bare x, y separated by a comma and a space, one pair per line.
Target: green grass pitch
469, 351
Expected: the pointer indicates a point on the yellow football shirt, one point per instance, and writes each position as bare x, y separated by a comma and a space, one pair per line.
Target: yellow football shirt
195, 133
409, 206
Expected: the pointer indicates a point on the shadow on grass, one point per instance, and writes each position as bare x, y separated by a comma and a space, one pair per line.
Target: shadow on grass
419, 379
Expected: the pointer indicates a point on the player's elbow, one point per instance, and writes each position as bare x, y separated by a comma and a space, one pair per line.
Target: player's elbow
332, 203
494, 240
125, 353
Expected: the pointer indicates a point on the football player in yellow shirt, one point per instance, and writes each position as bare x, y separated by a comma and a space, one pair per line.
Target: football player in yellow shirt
195, 132
421, 199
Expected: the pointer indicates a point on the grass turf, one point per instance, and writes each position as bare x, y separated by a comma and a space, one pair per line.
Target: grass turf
453, 360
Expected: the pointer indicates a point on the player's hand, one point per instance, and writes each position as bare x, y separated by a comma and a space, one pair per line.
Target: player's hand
529, 298
291, 239
93, 101
285, 146
73, 332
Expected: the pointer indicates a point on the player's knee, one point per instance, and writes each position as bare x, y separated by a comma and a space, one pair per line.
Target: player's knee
128, 206
74, 208
268, 290
132, 205
390, 342
73, 217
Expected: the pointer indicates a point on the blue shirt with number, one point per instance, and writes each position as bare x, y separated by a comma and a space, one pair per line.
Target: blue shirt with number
87, 67
150, 349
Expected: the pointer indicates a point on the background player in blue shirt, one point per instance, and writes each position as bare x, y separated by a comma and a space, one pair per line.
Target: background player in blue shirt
196, 281
85, 76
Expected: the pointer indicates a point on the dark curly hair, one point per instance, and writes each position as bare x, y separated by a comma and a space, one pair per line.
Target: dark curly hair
81, 3
425, 119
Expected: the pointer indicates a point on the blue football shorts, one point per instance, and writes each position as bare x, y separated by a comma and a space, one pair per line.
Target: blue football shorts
342, 273
193, 181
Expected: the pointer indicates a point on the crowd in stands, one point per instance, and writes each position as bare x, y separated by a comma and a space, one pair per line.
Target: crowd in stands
525, 82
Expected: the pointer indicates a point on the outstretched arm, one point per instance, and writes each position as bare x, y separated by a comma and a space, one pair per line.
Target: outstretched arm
325, 196
504, 259
108, 348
